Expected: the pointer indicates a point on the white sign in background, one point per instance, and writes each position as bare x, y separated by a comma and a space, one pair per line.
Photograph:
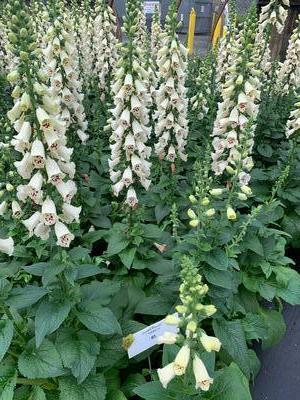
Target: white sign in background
147, 337
149, 6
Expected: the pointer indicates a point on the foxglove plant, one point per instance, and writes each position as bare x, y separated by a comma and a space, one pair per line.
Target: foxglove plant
289, 73
191, 337
129, 152
233, 133
156, 33
61, 67
171, 127
40, 140
105, 44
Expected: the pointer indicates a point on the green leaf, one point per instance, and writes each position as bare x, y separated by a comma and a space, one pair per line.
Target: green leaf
253, 243
38, 394
116, 395
152, 231
152, 391
44, 362
8, 390
254, 326
161, 211
291, 293
99, 319
230, 383
93, 388
275, 327
223, 279
25, 297
49, 317
117, 242
217, 258
154, 305
78, 351
102, 292
132, 382
6, 335
233, 340
127, 256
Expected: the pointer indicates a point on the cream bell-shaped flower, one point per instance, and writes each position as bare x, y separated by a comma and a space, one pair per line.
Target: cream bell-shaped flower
166, 374
182, 360
42, 231
167, 338
70, 213
210, 343
203, 380
16, 209
3, 208
54, 173
131, 198
38, 154
21, 142
49, 216
25, 166
64, 236
7, 246
32, 222
67, 190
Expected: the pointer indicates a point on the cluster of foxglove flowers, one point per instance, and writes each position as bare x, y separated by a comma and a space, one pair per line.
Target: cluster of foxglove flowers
275, 14
190, 313
41, 142
233, 133
130, 133
289, 73
171, 127
61, 67
293, 124
199, 101
156, 33
105, 46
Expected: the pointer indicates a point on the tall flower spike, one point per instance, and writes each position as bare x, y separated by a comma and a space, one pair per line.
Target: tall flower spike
192, 311
293, 124
171, 127
289, 73
40, 136
156, 33
129, 152
105, 46
61, 67
235, 121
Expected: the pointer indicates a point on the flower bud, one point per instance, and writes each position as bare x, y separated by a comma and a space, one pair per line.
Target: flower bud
23, 32
231, 215
230, 170
24, 55
12, 37
192, 326
172, 320
239, 80
13, 76
216, 192
205, 201
9, 187
192, 199
191, 214
242, 196
211, 212
181, 309
246, 189
194, 223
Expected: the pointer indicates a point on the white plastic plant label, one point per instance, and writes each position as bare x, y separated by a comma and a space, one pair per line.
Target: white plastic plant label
147, 337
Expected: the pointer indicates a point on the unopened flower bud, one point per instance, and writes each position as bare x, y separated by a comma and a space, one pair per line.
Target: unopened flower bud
211, 212
191, 214
194, 223
205, 201
231, 215
242, 196
192, 326
230, 170
181, 309
9, 187
216, 192
247, 190
240, 80
192, 199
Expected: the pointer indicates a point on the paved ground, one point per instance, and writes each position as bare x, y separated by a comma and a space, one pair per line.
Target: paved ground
279, 378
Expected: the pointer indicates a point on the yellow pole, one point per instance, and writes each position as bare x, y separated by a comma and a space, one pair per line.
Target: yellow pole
217, 32
191, 33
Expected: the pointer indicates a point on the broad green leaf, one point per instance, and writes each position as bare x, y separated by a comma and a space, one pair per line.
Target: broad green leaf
217, 258
99, 319
275, 327
132, 382
153, 391
38, 393
230, 384
102, 292
233, 340
93, 388
127, 256
161, 211
25, 297
152, 231
7, 392
253, 243
291, 293
78, 351
116, 395
44, 362
254, 326
49, 317
6, 335
154, 305
223, 279
116, 243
